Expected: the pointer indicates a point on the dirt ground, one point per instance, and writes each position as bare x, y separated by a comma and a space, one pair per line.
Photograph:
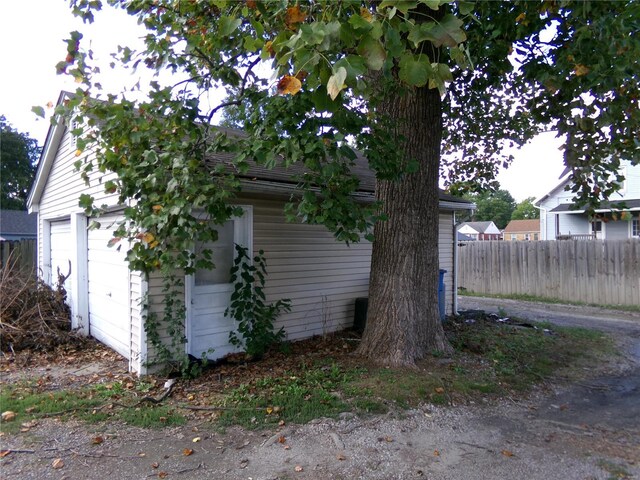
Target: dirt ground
588, 430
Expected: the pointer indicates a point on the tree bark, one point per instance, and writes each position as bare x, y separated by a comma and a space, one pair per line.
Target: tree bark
403, 323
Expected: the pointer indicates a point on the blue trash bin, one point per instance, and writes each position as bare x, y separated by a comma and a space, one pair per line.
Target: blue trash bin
441, 295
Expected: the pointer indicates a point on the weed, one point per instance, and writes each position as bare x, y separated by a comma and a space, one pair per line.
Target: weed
615, 471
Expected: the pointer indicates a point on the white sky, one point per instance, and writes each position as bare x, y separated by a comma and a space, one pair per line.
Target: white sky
31, 41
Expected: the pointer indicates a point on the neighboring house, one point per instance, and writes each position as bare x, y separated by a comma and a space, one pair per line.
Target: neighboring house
480, 230
321, 276
464, 238
18, 225
559, 219
522, 230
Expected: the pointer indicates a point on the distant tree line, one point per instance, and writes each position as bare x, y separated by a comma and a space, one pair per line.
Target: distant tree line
19, 155
500, 207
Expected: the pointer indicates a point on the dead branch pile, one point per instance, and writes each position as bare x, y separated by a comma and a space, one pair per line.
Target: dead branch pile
32, 314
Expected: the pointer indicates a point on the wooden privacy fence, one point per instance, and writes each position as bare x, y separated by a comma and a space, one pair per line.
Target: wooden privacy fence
591, 271
22, 252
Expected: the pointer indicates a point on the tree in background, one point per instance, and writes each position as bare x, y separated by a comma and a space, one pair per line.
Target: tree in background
525, 210
495, 206
388, 74
18, 158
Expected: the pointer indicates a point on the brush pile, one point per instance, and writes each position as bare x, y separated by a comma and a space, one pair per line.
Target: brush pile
33, 315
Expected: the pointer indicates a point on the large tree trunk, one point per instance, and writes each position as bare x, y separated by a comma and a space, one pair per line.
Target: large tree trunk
403, 323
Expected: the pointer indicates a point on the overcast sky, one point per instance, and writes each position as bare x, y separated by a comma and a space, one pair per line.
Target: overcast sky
31, 39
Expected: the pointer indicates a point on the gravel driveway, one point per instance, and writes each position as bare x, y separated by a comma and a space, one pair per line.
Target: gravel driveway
582, 431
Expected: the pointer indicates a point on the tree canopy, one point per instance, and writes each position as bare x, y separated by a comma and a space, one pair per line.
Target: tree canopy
525, 210
496, 206
381, 77
18, 154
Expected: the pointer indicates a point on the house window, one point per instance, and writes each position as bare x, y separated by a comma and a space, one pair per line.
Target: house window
635, 227
514, 237
222, 254
527, 236
536, 236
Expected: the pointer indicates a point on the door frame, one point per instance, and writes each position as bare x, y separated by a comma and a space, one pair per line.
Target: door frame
243, 226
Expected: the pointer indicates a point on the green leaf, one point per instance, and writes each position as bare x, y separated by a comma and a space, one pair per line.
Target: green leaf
227, 25
393, 42
448, 32
374, 53
312, 34
336, 82
86, 201
433, 4
466, 7
441, 75
401, 5
354, 64
360, 23
415, 70
38, 111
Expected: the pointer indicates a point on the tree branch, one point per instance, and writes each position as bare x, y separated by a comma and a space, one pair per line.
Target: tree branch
242, 90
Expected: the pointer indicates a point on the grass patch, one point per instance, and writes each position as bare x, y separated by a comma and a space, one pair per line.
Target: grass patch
94, 404
614, 470
490, 360
320, 378
554, 301
310, 393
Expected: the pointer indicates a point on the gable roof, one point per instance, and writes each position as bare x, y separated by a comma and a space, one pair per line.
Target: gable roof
523, 226
17, 222
47, 156
258, 178
480, 227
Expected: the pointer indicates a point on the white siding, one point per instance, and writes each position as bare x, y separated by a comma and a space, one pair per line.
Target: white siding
321, 276
445, 249
616, 230
63, 188
631, 188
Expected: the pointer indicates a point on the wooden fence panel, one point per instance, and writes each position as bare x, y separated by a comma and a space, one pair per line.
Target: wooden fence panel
591, 271
22, 252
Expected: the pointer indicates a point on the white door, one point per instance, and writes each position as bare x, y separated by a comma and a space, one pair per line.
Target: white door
108, 289
61, 253
207, 327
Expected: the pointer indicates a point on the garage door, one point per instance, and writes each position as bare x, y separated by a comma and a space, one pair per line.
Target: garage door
108, 289
60, 242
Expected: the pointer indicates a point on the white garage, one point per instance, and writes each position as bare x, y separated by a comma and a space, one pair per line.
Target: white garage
108, 289
320, 276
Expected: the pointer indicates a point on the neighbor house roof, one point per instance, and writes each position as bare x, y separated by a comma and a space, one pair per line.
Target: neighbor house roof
480, 227
523, 226
18, 223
